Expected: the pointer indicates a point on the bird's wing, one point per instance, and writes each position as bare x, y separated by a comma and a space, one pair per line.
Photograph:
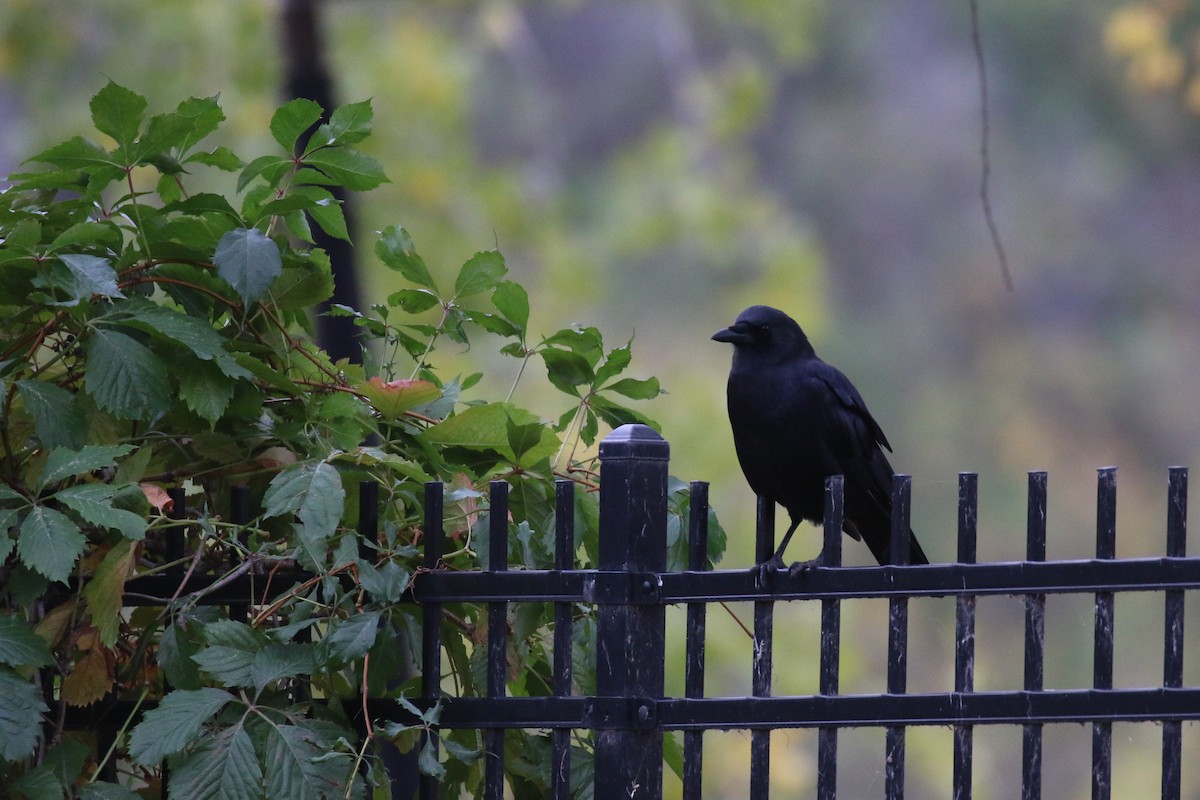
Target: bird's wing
850, 418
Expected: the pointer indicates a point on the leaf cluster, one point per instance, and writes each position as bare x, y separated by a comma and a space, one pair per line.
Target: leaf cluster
158, 337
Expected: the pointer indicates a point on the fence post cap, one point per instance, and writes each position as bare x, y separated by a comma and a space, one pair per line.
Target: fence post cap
634, 441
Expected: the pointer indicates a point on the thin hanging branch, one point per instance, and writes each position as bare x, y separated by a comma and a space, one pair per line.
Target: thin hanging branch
985, 156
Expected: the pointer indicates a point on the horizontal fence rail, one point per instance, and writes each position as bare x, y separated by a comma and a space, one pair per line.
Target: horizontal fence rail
630, 713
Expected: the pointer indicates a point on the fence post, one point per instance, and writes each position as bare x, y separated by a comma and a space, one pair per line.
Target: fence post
631, 629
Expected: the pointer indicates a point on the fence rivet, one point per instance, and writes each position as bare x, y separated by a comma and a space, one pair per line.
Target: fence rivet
643, 713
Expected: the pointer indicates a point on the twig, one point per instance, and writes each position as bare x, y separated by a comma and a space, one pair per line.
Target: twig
985, 156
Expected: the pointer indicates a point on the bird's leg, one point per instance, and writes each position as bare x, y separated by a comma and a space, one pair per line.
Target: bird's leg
775, 562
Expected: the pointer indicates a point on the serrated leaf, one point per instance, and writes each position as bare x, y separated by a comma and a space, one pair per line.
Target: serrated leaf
487, 427
348, 639
174, 724
93, 502
348, 124
220, 157
396, 250
393, 398
303, 283
57, 418
281, 660
413, 301
614, 364
428, 762
63, 463
483, 271
300, 764
349, 168
83, 233
192, 332
124, 377
262, 166
175, 651
229, 653
223, 767
636, 389
77, 153
89, 679
49, 543
292, 119
203, 115
20, 646
105, 591
313, 492
248, 261
21, 708
512, 301
566, 369
118, 112
107, 791
206, 390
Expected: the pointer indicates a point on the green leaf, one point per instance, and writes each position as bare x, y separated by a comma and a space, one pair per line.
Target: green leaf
486, 427
107, 791
223, 767
248, 261
220, 157
204, 116
21, 709
192, 332
125, 377
512, 301
413, 301
105, 591
276, 166
49, 543
635, 389
206, 390
93, 502
78, 153
483, 271
20, 646
300, 766
614, 364
349, 124
281, 660
174, 724
396, 250
313, 492
118, 112
347, 167
85, 233
566, 369
292, 119
304, 282
393, 398
348, 639
229, 653
428, 762
63, 463
57, 418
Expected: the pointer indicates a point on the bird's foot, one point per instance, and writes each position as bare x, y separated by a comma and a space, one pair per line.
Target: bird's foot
764, 572
799, 567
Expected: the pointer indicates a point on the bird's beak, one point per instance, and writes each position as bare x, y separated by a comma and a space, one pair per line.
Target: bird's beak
733, 335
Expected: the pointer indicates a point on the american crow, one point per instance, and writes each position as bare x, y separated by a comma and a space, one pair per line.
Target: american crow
797, 420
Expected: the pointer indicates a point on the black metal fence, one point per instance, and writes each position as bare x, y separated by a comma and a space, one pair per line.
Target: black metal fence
630, 713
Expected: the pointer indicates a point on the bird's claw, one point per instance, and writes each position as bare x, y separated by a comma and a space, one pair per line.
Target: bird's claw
765, 572
803, 566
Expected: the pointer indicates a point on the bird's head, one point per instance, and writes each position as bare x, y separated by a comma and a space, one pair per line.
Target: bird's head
766, 331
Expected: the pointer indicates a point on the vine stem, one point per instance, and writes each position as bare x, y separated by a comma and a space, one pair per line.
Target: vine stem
116, 739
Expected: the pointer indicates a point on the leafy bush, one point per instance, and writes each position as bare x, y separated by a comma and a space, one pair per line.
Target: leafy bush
158, 337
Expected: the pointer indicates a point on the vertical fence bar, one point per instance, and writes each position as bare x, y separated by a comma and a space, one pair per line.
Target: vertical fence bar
693, 681
497, 638
1035, 638
630, 635
964, 632
175, 534
564, 559
431, 625
239, 514
1106, 548
760, 681
1172, 749
368, 520
831, 636
898, 636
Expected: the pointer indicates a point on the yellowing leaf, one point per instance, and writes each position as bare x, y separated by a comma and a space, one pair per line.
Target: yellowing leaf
393, 398
104, 591
90, 679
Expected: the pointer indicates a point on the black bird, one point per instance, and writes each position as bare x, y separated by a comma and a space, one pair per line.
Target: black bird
797, 420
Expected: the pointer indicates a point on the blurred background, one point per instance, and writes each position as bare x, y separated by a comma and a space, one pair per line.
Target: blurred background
654, 167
